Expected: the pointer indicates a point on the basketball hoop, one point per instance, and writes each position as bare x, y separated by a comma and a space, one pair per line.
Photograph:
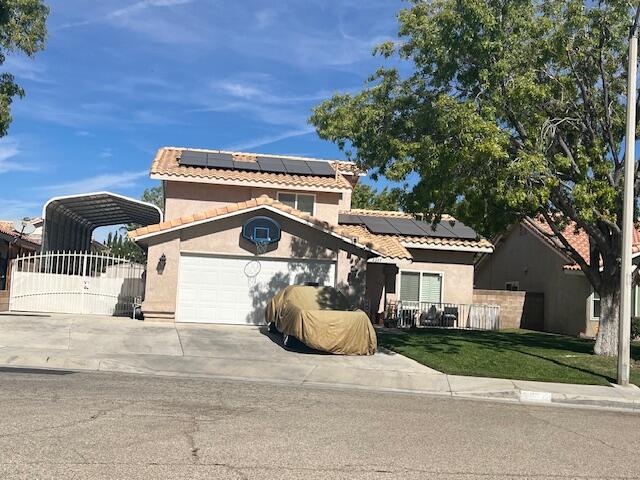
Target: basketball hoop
261, 232
253, 266
262, 245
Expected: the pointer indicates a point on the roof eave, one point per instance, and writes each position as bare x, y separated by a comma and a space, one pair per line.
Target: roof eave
252, 209
174, 177
455, 248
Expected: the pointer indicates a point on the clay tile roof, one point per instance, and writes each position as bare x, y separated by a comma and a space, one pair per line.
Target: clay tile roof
448, 242
166, 163
384, 246
377, 213
6, 227
578, 239
391, 246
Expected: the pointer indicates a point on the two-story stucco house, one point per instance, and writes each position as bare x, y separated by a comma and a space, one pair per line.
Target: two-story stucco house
204, 265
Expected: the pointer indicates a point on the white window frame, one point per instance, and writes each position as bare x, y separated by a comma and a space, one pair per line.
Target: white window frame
513, 283
284, 192
426, 272
591, 309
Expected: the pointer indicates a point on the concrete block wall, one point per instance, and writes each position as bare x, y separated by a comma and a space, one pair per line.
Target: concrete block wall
517, 309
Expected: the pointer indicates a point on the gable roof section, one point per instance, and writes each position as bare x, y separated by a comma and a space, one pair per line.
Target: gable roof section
166, 166
578, 239
479, 245
359, 239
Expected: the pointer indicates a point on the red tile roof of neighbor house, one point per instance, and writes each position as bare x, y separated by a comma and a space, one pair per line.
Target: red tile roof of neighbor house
578, 239
6, 227
166, 164
389, 248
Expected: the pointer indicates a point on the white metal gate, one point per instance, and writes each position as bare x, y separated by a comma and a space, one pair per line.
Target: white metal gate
71, 282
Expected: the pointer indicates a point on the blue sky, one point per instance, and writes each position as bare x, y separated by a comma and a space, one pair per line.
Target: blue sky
118, 79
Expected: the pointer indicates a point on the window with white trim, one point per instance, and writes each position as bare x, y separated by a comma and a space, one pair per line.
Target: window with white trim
595, 305
420, 287
299, 201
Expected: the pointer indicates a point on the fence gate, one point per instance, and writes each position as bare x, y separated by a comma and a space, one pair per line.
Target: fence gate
70, 282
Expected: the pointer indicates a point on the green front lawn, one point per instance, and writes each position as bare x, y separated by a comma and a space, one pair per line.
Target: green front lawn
514, 354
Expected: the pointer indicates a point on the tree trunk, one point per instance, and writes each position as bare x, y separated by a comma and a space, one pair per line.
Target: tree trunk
607, 338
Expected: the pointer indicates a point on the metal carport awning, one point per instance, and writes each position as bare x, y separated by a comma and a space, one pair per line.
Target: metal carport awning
69, 221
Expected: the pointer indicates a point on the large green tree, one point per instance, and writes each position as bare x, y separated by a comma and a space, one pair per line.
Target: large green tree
364, 196
504, 108
22, 29
154, 195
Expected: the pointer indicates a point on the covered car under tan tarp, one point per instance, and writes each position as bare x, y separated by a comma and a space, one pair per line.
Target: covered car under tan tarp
321, 318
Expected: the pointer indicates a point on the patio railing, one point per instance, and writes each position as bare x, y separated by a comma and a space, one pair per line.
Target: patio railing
447, 315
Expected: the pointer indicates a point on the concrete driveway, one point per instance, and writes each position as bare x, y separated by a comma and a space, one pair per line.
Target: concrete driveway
238, 352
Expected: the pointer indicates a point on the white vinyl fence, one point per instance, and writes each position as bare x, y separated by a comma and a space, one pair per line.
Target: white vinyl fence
71, 282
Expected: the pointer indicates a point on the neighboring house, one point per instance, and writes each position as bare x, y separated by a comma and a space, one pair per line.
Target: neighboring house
202, 266
528, 257
12, 244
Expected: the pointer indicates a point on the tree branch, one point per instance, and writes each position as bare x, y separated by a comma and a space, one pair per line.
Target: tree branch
588, 270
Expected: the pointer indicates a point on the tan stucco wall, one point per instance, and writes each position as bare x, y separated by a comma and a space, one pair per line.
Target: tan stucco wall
523, 257
186, 198
224, 237
456, 269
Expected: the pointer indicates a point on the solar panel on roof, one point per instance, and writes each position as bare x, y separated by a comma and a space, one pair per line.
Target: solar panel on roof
244, 165
296, 167
195, 159
321, 168
348, 219
219, 160
440, 229
460, 230
406, 226
272, 165
263, 163
379, 225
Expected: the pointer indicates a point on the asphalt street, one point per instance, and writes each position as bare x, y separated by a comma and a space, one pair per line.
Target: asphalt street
115, 426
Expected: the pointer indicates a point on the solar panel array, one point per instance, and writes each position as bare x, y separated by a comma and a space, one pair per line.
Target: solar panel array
262, 163
409, 227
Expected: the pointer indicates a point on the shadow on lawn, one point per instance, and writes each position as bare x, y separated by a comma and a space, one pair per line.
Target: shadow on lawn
546, 347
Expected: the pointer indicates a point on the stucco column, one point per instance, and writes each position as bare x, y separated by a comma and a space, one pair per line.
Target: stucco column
161, 287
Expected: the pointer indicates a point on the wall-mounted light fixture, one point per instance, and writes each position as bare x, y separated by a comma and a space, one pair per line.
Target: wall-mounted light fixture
162, 262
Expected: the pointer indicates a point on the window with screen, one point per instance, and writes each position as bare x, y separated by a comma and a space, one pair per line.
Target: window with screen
299, 201
420, 287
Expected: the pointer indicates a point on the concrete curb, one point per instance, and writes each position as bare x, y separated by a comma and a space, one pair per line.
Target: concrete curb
415, 383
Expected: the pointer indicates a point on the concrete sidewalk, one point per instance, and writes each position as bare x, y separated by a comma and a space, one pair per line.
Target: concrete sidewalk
250, 354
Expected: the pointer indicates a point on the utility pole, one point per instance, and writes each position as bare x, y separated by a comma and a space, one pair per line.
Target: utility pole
624, 324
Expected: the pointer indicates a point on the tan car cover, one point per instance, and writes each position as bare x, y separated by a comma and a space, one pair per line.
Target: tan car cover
321, 318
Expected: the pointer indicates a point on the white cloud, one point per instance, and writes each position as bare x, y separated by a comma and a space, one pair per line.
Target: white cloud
26, 68
265, 18
109, 181
239, 89
13, 209
127, 12
9, 149
268, 139
106, 153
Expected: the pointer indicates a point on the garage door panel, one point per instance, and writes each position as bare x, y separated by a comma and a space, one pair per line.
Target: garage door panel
236, 290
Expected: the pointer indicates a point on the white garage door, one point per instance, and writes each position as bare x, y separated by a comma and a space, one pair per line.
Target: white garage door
214, 289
